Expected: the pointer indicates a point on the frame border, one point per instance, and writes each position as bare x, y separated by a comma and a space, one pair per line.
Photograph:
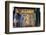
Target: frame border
7, 16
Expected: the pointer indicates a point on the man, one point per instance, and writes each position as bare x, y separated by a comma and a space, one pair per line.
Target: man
18, 18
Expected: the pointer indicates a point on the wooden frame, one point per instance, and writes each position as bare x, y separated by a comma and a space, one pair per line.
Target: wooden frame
7, 16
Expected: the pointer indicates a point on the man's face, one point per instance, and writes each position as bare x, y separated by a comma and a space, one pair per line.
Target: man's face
18, 11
